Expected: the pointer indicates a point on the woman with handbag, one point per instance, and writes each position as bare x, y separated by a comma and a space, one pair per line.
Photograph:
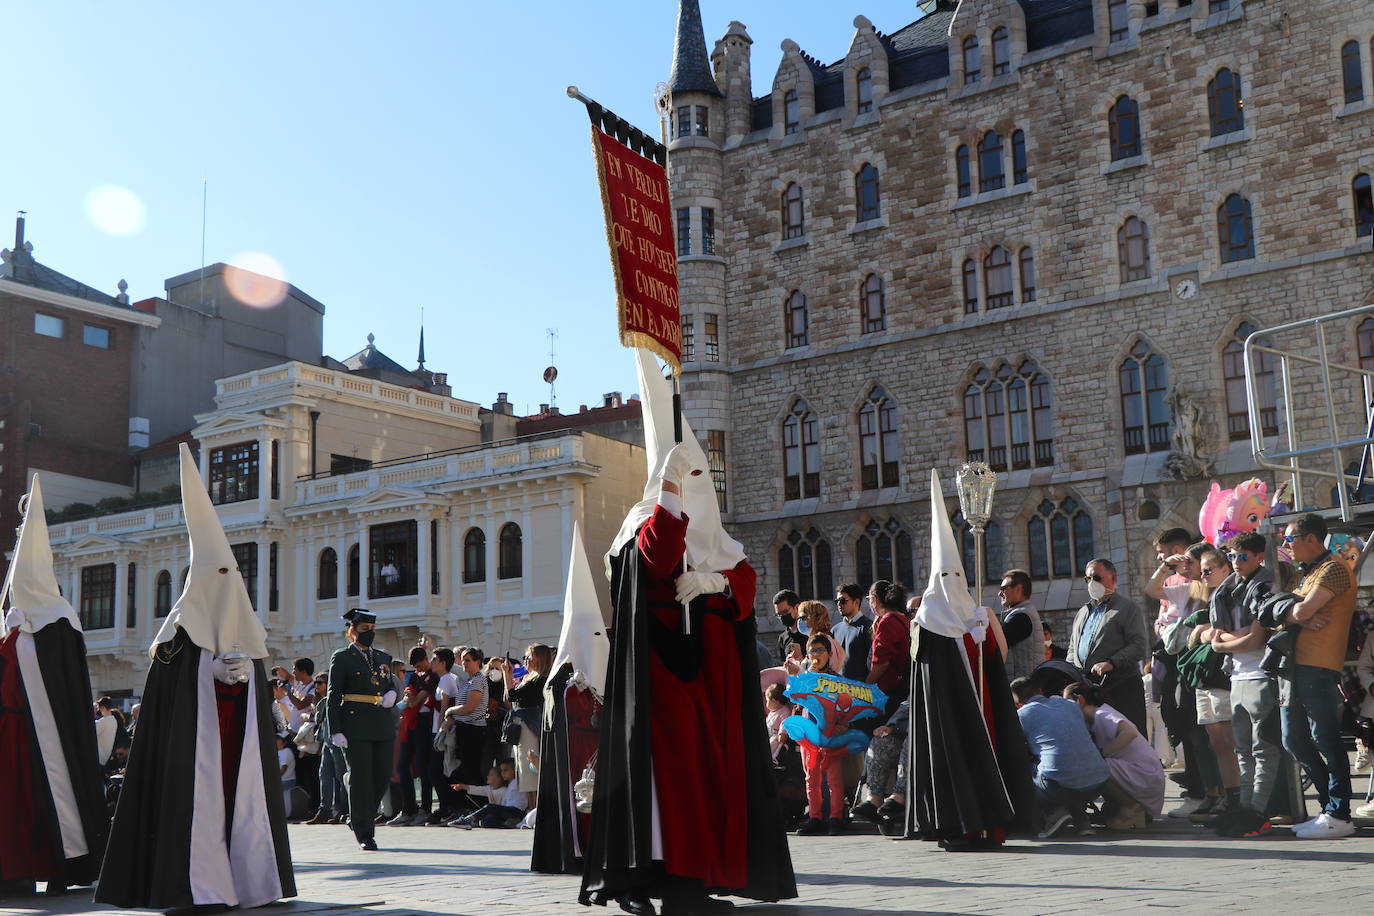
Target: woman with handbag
527, 711
1204, 670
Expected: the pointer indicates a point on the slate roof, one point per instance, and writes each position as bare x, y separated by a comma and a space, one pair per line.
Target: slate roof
21, 267
691, 65
919, 52
369, 357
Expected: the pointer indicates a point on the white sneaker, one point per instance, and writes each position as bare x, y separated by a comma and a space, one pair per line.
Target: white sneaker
1188, 807
400, 820
1364, 810
1362, 760
1326, 827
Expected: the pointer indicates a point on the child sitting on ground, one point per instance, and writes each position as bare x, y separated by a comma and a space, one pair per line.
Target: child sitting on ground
505, 802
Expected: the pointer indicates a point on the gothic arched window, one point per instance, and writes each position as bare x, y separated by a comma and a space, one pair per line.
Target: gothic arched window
1237, 402
1009, 417
1123, 127
1060, 539
991, 173
804, 565
872, 305
879, 449
1225, 106
883, 551
866, 199
801, 453
1145, 417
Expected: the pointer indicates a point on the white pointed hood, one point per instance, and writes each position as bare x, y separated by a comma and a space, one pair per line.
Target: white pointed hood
946, 606
213, 609
583, 642
709, 548
35, 600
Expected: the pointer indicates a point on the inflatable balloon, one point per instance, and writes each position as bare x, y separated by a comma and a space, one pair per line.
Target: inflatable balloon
1227, 513
835, 703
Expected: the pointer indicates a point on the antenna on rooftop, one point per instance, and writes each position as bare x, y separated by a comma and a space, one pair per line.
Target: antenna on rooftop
551, 373
204, 202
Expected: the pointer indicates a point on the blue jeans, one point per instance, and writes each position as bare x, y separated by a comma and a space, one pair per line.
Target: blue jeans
333, 798
1312, 734
1050, 794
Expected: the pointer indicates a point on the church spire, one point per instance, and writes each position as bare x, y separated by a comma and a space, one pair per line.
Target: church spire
691, 66
422, 341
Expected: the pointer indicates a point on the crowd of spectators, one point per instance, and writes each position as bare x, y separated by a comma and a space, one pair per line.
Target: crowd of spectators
467, 737
1241, 680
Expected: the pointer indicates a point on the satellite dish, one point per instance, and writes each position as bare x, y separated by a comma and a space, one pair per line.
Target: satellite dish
550, 374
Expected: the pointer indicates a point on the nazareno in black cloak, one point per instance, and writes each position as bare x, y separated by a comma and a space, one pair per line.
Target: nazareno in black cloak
957, 785
60, 650
148, 862
555, 850
619, 851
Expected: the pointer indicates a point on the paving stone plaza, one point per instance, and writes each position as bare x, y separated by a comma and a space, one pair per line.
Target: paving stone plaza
1171, 866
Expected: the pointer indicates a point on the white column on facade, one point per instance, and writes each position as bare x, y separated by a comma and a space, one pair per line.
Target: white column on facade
364, 549
302, 577
422, 596
452, 584
264, 578
566, 520
341, 568
526, 564
493, 544
264, 473
121, 596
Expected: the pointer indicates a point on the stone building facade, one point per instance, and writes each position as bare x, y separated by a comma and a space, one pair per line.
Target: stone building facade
409, 512
1032, 231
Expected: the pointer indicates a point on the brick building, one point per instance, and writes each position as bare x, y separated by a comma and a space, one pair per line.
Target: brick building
1031, 231
65, 375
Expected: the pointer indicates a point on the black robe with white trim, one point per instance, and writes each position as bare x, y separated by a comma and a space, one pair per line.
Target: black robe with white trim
170, 845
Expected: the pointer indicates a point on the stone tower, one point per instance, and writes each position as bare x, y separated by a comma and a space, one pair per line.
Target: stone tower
701, 118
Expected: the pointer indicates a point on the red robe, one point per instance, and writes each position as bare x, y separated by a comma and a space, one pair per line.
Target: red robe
28, 843
697, 743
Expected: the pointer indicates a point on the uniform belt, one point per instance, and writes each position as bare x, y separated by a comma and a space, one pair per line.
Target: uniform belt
368, 698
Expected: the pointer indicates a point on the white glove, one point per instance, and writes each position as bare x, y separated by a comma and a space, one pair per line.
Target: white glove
676, 464
979, 629
692, 584
338, 741
389, 699
14, 619
233, 671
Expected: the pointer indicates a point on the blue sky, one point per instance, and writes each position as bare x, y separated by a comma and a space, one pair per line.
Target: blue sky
388, 156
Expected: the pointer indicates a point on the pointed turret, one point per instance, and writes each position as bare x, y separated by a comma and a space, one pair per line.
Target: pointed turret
691, 66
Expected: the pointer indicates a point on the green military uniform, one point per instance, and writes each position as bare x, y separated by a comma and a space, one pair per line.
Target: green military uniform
358, 678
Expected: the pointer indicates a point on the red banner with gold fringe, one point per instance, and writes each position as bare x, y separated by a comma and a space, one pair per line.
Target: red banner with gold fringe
639, 230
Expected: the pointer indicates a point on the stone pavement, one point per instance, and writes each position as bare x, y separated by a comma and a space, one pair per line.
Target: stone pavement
446, 871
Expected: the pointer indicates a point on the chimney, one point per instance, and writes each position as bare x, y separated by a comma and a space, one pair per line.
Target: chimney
19, 231
503, 404
611, 399
543, 409
582, 408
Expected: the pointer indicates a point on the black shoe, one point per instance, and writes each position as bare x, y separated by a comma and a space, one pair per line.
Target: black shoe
957, 844
1206, 811
369, 844
836, 826
814, 826
637, 903
866, 811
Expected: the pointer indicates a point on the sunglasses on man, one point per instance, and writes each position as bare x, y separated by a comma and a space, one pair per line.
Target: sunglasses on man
1096, 577
1238, 557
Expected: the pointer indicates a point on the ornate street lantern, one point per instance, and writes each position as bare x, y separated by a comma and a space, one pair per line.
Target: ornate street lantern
976, 483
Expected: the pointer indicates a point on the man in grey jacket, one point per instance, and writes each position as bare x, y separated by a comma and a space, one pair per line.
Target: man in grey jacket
1109, 642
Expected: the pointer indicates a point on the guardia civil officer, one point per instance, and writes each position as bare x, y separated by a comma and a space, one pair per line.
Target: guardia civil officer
360, 694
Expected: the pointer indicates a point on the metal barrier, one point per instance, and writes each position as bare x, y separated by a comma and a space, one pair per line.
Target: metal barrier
1289, 459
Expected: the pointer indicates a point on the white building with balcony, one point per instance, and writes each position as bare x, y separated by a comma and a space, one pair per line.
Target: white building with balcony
340, 491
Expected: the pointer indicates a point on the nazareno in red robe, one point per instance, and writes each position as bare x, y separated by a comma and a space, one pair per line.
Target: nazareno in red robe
706, 752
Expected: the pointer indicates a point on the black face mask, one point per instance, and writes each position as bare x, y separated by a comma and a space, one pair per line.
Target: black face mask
787, 620
364, 639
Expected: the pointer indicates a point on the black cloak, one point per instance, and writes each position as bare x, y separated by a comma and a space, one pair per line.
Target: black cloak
957, 784
148, 862
555, 850
60, 651
619, 854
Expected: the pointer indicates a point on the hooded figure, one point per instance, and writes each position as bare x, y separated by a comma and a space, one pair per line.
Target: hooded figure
572, 713
200, 818
52, 817
684, 803
969, 777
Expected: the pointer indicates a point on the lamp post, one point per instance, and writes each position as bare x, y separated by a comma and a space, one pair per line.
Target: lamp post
976, 482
